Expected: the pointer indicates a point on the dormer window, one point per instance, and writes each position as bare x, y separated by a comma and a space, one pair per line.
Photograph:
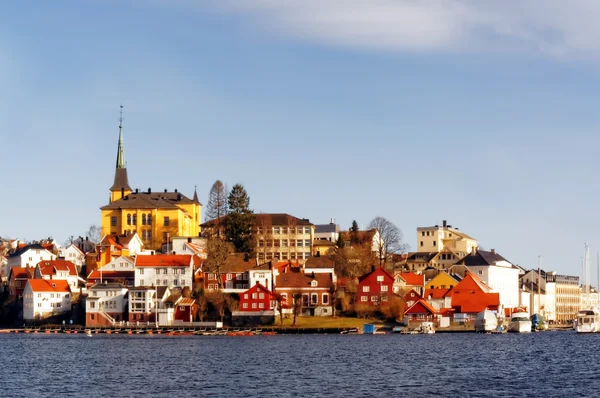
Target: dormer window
314, 283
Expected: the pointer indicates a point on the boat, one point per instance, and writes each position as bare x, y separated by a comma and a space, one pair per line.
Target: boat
588, 321
520, 322
486, 321
538, 322
427, 328
88, 333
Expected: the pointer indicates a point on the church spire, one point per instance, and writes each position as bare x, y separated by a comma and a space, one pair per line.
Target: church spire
195, 199
120, 156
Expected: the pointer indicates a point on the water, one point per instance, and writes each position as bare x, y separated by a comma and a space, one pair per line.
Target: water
465, 365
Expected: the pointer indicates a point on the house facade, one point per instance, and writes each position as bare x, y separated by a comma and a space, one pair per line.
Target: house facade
74, 254
172, 270
106, 304
45, 298
29, 256
375, 288
58, 270
17, 280
119, 270
142, 304
314, 290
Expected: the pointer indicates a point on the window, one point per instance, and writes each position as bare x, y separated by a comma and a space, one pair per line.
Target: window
182, 271
166, 221
379, 278
134, 219
434, 242
128, 219
165, 282
149, 219
261, 243
423, 233
141, 271
366, 289
254, 296
92, 304
325, 298
245, 305
284, 242
149, 234
421, 243
284, 230
307, 230
253, 305
269, 243
228, 277
292, 256
113, 221
384, 298
261, 305
261, 296
284, 256
299, 230
143, 219
239, 276
165, 235
141, 282
373, 298
175, 282
384, 288
292, 242
480, 272
363, 298
276, 230
299, 243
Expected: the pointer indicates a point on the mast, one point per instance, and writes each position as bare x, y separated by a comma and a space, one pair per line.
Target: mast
538, 283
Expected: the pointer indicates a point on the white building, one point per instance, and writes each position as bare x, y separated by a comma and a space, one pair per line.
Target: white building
58, 270
73, 254
329, 232
106, 304
172, 270
142, 304
44, 298
189, 245
496, 272
29, 256
438, 238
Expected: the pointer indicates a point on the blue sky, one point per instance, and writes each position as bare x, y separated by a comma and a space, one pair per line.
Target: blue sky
481, 113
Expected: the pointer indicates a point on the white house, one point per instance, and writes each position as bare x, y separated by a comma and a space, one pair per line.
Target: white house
496, 272
329, 232
106, 304
172, 270
73, 254
44, 298
29, 256
58, 270
189, 245
142, 304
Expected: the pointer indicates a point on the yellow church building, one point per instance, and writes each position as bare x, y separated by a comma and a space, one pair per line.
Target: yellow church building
157, 217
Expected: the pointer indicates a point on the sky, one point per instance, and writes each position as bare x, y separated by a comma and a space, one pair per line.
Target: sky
484, 114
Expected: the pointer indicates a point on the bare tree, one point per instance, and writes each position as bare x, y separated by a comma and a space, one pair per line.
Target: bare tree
279, 300
218, 252
93, 234
296, 304
390, 238
218, 301
202, 303
217, 206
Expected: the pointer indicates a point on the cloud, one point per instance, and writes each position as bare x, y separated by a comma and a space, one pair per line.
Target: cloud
549, 27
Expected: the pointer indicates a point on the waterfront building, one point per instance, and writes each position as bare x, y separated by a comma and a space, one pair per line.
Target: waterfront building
154, 216
119, 270
567, 296
315, 290
257, 299
58, 270
547, 282
172, 270
420, 311
442, 280
375, 288
17, 280
497, 272
470, 296
45, 298
280, 237
533, 297
142, 304
106, 304
234, 274
438, 297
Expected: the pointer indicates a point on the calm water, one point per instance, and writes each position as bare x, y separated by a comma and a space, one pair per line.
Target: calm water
540, 364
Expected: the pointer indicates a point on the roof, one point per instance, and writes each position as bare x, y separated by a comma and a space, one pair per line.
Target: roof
54, 285
323, 242
327, 228
482, 257
21, 273
267, 219
360, 236
435, 294
420, 307
164, 260
50, 267
319, 262
107, 286
129, 274
121, 181
258, 286
24, 249
421, 256
152, 200
301, 280
111, 240
186, 301
412, 279
236, 262
471, 295
375, 271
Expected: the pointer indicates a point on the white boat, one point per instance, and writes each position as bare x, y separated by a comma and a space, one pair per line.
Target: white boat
486, 321
427, 328
520, 322
588, 321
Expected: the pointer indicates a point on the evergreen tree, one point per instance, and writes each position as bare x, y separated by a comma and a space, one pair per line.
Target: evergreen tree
354, 227
238, 226
216, 208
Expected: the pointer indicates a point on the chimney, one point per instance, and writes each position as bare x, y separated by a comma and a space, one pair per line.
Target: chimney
165, 190
178, 196
493, 251
312, 275
175, 190
332, 221
122, 192
445, 224
372, 268
174, 252
149, 190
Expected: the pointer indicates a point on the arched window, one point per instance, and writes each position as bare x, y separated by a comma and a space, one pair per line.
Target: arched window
149, 220
143, 219
128, 219
134, 219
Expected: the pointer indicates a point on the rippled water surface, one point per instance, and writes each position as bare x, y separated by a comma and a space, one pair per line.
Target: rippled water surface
538, 364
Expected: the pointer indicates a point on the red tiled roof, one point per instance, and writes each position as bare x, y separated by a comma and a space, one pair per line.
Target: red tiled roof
301, 280
43, 285
376, 270
421, 307
164, 260
112, 274
436, 293
186, 301
471, 295
49, 267
413, 279
21, 273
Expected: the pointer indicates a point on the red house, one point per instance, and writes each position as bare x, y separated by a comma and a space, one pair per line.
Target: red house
420, 311
471, 296
17, 279
375, 288
257, 298
234, 274
185, 310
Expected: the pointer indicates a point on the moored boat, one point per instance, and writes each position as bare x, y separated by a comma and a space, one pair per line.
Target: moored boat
538, 322
520, 322
588, 321
486, 321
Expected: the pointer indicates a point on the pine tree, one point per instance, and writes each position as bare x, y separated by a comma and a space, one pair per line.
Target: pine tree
354, 227
238, 226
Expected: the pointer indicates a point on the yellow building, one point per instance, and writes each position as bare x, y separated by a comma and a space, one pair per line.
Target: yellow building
442, 281
438, 238
155, 216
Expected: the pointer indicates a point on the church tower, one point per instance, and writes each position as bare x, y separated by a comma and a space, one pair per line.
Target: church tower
121, 187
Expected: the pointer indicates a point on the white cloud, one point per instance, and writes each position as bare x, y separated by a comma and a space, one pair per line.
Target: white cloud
550, 27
